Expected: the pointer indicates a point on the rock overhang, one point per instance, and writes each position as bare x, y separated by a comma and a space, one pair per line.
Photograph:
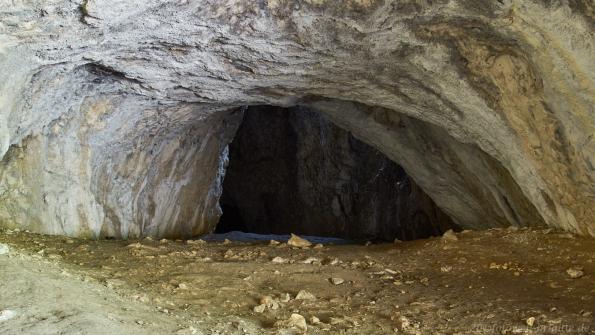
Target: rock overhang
499, 96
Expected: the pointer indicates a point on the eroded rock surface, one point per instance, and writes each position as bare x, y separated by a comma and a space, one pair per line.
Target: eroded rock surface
114, 115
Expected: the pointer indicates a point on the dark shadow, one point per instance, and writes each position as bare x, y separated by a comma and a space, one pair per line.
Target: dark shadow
292, 171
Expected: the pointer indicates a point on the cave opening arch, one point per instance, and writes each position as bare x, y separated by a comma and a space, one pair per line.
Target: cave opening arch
291, 170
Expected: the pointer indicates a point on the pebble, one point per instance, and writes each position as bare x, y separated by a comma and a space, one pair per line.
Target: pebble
450, 235
285, 298
182, 286
4, 249
311, 260
331, 261
575, 272
279, 260
296, 241
7, 314
314, 320
305, 295
260, 308
337, 280
294, 321
530, 321
187, 331
269, 302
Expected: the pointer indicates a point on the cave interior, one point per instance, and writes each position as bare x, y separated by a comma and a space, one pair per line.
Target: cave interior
290, 170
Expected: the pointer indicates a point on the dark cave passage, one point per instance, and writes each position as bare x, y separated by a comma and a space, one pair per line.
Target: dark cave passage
292, 171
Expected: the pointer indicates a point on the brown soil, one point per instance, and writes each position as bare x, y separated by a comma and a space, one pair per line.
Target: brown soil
489, 282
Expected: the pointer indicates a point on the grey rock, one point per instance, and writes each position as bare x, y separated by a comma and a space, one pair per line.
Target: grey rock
115, 116
4, 249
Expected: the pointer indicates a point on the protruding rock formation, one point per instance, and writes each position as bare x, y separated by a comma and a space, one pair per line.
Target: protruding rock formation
115, 115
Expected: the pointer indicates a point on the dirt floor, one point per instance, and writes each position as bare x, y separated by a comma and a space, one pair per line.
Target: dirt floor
490, 282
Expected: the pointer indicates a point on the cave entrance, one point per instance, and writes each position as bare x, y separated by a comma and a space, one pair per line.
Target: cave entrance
292, 171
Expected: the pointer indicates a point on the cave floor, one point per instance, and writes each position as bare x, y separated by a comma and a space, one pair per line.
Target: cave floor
489, 282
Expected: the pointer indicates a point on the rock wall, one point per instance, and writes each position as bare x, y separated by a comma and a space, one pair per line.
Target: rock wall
292, 171
114, 115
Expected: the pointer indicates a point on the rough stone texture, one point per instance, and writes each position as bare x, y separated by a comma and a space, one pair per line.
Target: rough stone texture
292, 171
102, 102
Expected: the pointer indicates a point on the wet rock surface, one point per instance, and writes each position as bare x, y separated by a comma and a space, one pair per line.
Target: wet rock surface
291, 170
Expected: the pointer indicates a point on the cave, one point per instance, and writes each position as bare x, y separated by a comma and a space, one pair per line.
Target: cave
297, 167
290, 170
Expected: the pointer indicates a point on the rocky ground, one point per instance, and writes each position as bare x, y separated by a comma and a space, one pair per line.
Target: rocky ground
489, 282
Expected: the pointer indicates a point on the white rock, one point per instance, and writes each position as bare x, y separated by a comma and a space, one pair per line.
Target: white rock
296, 241
295, 321
7, 314
285, 297
450, 235
4, 249
446, 268
260, 308
530, 321
311, 260
305, 295
268, 302
575, 272
279, 260
337, 280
